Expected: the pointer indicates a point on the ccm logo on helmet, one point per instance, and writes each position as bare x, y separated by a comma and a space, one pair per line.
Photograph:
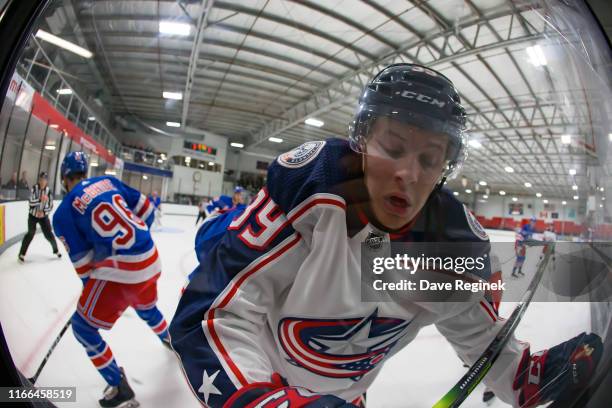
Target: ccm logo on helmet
421, 98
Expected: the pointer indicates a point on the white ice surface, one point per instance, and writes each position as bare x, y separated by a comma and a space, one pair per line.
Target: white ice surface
38, 297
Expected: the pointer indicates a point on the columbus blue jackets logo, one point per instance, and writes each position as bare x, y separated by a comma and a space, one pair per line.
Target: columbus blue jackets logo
301, 155
475, 225
340, 348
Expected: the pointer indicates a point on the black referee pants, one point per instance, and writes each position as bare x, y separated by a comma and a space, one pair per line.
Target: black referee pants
45, 225
201, 215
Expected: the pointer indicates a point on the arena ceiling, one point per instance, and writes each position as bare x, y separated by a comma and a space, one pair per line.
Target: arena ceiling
251, 70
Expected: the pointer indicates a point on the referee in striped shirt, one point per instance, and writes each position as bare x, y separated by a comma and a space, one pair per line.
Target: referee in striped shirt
41, 204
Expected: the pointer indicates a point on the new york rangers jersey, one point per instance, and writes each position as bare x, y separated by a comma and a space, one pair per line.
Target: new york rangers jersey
520, 249
527, 231
278, 288
104, 225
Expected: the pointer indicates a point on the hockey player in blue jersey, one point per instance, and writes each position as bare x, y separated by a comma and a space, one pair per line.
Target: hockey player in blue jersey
528, 229
520, 248
273, 315
104, 225
226, 203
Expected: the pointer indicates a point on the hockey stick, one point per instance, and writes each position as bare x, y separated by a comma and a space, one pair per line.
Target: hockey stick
464, 387
55, 342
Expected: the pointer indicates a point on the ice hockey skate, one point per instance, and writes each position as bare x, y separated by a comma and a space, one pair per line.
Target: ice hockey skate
120, 396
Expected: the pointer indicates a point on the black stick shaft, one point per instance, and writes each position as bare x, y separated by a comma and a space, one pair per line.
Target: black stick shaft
464, 387
55, 343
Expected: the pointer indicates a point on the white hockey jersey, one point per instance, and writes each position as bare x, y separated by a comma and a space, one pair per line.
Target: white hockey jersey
278, 288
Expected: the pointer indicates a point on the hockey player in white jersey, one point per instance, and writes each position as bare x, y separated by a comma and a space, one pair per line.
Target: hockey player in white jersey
548, 236
273, 315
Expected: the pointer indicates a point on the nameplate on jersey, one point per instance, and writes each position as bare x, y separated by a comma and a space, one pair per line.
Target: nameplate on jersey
301, 155
475, 225
81, 202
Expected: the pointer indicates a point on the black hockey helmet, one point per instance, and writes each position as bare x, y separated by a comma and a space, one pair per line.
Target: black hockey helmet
418, 96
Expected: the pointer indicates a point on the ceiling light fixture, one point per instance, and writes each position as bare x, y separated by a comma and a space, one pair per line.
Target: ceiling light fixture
60, 42
174, 28
475, 144
536, 56
172, 95
314, 122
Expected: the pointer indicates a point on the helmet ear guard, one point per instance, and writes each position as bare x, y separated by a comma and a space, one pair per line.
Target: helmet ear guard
359, 129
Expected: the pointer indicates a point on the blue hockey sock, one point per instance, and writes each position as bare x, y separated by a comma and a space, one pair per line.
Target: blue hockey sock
155, 320
98, 351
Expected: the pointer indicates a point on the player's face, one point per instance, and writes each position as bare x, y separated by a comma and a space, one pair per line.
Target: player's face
403, 164
238, 198
42, 182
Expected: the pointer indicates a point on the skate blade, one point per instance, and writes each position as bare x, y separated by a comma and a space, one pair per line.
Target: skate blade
129, 404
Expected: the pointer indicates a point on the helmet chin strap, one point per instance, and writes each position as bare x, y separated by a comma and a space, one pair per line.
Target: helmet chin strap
364, 152
440, 184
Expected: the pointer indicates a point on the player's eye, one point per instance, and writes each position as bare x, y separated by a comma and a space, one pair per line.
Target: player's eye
430, 160
394, 150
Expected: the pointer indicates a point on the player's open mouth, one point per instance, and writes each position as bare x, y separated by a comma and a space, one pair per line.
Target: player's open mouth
397, 204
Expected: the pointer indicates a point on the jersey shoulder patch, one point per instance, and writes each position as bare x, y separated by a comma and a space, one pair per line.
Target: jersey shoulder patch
316, 167
301, 155
474, 225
